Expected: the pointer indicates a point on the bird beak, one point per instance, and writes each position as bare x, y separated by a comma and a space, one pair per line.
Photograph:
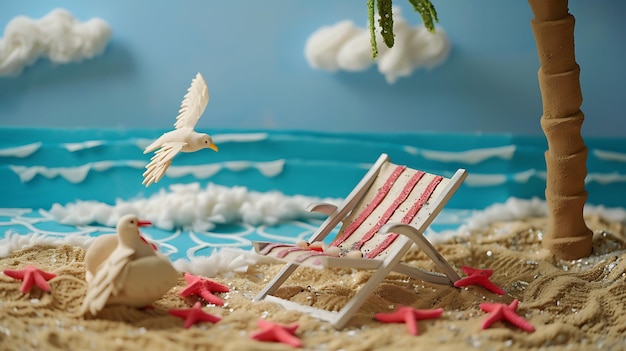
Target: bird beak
213, 147
142, 223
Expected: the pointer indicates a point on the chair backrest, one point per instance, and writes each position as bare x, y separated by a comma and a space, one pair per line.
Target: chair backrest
398, 194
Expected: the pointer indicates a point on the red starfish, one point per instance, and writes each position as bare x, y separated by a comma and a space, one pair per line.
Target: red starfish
277, 332
204, 288
408, 315
31, 275
501, 311
194, 315
478, 277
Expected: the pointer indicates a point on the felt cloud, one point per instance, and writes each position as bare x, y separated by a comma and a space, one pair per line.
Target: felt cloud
344, 46
58, 36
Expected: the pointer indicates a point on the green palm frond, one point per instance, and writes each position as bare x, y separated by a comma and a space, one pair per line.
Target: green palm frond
371, 15
427, 10
385, 21
424, 7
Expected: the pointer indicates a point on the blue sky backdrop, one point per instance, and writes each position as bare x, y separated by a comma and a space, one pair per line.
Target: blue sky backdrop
251, 54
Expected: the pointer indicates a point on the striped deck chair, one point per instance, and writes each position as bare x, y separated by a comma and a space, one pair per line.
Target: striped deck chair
383, 216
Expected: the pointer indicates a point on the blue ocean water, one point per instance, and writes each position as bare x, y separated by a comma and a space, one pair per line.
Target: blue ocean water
41, 166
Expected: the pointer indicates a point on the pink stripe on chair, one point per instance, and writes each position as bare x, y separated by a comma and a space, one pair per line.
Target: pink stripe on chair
382, 192
428, 192
404, 194
289, 250
269, 247
306, 256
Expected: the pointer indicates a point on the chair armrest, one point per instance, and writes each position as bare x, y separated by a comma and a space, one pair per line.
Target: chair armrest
418, 238
322, 207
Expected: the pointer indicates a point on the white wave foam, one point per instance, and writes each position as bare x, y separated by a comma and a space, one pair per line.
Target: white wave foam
225, 260
471, 157
517, 209
78, 174
609, 155
605, 178
524, 176
199, 172
191, 207
73, 175
411, 150
512, 209
13, 241
346, 46
90, 144
20, 151
269, 169
486, 180
58, 36
615, 214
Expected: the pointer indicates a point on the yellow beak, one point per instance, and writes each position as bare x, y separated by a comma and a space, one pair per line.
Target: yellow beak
213, 147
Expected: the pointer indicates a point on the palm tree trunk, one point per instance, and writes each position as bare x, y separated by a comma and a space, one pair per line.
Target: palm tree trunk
567, 235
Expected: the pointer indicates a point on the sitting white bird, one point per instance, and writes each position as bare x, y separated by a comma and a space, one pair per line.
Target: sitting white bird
183, 138
102, 247
127, 271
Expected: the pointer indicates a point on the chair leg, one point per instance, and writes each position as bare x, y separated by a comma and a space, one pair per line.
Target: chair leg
277, 281
352, 306
347, 311
418, 238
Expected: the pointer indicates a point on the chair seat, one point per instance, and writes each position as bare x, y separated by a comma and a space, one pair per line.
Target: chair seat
290, 253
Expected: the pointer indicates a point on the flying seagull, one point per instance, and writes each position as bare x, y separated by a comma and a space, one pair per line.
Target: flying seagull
183, 138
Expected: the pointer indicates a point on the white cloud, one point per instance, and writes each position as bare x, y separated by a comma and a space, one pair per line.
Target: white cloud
347, 47
58, 36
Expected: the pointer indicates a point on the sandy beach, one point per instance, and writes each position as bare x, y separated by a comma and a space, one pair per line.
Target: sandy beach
572, 304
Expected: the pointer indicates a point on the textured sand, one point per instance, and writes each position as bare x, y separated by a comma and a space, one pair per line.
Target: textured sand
573, 305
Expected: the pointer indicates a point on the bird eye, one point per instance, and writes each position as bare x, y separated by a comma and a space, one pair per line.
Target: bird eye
206, 142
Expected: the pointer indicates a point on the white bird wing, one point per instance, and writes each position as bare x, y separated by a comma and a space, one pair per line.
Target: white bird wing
194, 103
161, 161
156, 144
105, 282
98, 252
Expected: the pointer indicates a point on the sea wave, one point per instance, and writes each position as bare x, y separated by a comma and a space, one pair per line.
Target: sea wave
609, 155
78, 174
20, 151
605, 178
89, 144
471, 157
